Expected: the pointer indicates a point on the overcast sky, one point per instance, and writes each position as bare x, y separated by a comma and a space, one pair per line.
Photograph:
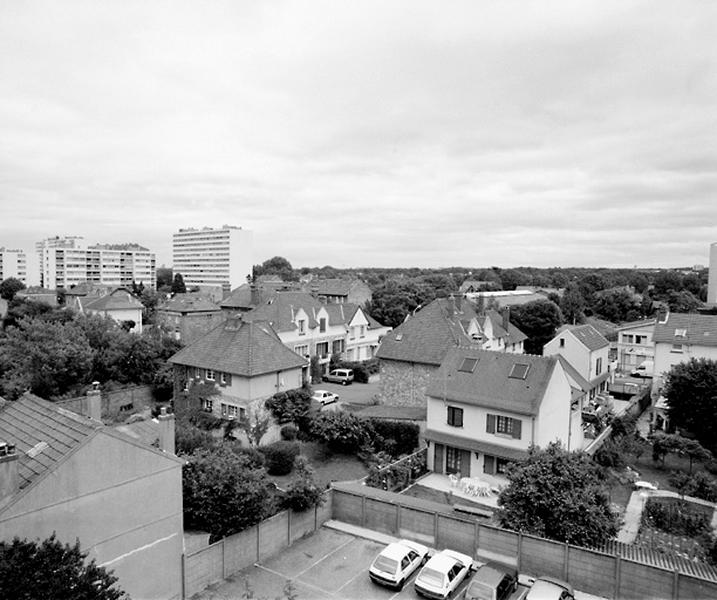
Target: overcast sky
366, 133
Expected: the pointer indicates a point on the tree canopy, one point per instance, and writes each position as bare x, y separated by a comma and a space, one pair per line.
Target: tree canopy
559, 495
49, 569
178, 286
9, 287
691, 393
538, 320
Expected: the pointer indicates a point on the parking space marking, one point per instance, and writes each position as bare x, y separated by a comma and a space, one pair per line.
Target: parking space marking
295, 579
312, 565
359, 574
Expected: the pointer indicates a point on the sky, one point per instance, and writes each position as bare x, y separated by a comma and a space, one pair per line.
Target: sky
359, 134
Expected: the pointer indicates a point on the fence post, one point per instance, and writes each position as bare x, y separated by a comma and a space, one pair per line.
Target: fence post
184, 575
618, 569
435, 529
476, 538
566, 560
363, 511
676, 585
224, 558
258, 542
520, 550
288, 528
398, 518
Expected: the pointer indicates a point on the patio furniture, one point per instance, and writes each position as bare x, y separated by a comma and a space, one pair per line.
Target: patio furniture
475, 486
453, 479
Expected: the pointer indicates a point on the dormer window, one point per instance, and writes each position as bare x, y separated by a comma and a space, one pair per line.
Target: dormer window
399, 337
519, 371
302, 327
562, 342
681, 333
322, 324
468, 365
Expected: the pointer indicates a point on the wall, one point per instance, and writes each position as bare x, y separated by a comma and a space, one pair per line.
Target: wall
574, 352
226, 557
128, 517
596, 572
554, 418
403, 383
665, 358
114, 402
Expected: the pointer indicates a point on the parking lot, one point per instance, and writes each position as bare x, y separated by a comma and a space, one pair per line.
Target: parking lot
356, 393
327, 564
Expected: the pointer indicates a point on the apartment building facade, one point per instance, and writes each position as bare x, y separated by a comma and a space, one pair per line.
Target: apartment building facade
219, 257
13, 263
114, 265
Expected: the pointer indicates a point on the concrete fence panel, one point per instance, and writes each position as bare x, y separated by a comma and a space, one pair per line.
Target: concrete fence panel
542, 557
380, 516
595, 571
643, 581
456, 534
692, 587
240, 550
418, 525
203, 568
497, 544
348, 508
273, 535
301, 524
325, 511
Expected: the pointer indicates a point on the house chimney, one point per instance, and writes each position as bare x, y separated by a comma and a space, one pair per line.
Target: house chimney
255, 296
662, 314
94, 402
506, 317
166, 431
9, 476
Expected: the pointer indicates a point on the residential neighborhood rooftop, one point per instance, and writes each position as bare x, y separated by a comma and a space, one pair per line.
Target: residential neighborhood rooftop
687, 328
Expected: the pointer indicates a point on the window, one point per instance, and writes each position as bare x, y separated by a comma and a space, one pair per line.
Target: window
322, 324
352, 333
207, 404
598, 366
302, 327
519, 371
233, 411
322, 349
468, 365
501, 464
455, 416
676, 348
399, 337
337, 346
627, 338
303, 350
640, 339
362, 331
681, 333
453, 460
224, 379
210, 375
562, 342
506, 426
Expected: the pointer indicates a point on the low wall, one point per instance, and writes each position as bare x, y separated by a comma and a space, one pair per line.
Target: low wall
592, 571
114, 402
230, 555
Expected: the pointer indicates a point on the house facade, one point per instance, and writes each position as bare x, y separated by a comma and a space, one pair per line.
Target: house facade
679, 337
187, 317
119, 305
245, 361
585, 352
55, 478
485, 409
340, 291
635, 344
411, 353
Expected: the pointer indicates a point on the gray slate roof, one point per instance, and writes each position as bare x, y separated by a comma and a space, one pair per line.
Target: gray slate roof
188, 303
588, 336
43, 433
700, 330
490, 385
240, 348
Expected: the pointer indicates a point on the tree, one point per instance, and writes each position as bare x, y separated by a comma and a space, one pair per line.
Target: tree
178, 286
164, 279
255, 425
291, 406
572, 305
691, 393
667, 281
49, 569
303, 491
638, 281
278, 266
559, 495
342, 432
511, 279
682, 301
9, 287
223, 494
618, 305
538, 320
664, 444
393, 302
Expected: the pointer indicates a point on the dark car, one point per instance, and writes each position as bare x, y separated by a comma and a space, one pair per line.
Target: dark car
493, 581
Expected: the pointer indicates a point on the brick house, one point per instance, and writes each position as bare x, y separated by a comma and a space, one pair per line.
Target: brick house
187, 317
486, 408
411, 353
246, 361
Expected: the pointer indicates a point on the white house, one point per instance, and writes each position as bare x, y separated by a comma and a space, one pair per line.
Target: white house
486, 408
585, 354
635, 344
119, 304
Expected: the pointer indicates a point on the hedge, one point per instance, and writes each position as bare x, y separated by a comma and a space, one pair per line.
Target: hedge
280, 456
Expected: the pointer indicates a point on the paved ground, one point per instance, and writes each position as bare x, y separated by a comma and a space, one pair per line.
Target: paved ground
356, 393
332, 563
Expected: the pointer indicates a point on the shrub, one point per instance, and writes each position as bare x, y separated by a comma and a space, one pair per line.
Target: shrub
303, 492
697, 485
189, 438
289, 432
254, 458
394, 437
610, 455
677, 518
342, 432
290, 407
280, 456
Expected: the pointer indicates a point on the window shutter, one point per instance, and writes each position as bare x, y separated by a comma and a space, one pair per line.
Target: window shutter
490, 424
438, 458
517, 426
465, 463
488, 464
228, 378
459, 417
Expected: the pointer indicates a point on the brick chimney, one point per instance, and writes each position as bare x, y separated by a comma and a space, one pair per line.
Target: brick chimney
662, 314
9, 476
166, 431
94, 402
506, 317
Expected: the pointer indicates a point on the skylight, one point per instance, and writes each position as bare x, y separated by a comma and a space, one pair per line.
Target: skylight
680, 333
468, 365
399, 337
519, 371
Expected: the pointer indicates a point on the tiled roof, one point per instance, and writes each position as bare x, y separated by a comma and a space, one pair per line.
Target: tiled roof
475, 445
246, 297
117, 300
188, 303
280, 311
636, 324
146, 431
240, 348
394, 413
699, 330
573, 373
489, 384
426, 336
331, 287
588, 336
43, 433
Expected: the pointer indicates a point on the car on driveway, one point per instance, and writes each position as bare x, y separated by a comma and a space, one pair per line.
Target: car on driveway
342, 376
550, 588
324, 397
442, 574
495, 581
396, 563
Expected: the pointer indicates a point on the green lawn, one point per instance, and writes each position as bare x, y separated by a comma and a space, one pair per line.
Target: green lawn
329, 467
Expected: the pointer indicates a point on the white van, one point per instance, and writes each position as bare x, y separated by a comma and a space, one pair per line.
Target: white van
644, 369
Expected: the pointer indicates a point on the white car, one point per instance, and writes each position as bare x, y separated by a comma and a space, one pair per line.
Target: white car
397, 562
324, 397
442, 574
550, 588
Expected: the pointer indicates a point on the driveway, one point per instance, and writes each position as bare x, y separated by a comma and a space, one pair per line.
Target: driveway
359, 394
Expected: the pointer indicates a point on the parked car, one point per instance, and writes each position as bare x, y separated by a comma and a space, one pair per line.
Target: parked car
645, 369
397, 562
495, 581
442, 574
342, 376
550, 588
324, 397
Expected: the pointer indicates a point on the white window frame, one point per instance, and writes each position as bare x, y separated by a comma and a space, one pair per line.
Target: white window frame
211, 375
504, 425
223, 378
